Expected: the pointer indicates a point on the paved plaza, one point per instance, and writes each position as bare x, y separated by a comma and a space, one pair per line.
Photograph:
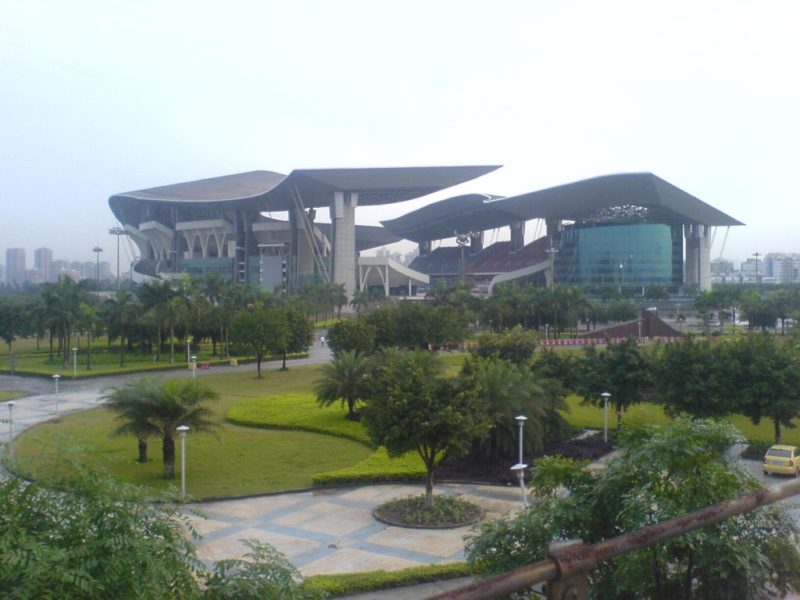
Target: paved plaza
333, 531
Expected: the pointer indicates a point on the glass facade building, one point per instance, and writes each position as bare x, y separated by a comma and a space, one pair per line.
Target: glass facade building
620, 256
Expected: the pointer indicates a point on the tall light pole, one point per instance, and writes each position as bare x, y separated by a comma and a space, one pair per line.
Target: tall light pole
97, 250
194, 367
10, 405
756, 254
552, 252
605, 396
56, 377
117, 231
183, 429
74, 362
520, 419
188, 349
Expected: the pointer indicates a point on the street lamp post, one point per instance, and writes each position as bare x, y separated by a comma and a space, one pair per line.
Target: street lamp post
10, 405
56, 377
188, 349
117, 231
605, 396
194, 367
520, 419
97, 250
74, 362
183, 429
519, 469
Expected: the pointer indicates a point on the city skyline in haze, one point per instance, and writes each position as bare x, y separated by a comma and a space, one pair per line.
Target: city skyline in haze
106, 98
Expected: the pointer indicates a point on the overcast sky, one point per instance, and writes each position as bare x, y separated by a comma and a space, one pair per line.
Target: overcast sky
99, 97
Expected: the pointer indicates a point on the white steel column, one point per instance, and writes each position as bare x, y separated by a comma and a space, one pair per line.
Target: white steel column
343, 217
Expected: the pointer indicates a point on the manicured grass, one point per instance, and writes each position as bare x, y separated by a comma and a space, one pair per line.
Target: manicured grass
298, 412
240, 461
10, 395
646, 413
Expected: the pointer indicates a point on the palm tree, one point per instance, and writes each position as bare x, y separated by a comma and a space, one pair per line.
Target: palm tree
155, 299
121, 315
343, 379
507, 390
149, 407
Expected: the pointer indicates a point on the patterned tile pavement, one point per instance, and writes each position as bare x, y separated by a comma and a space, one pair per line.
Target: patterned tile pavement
333, 531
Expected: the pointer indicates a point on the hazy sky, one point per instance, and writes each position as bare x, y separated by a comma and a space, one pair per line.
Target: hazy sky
99, 97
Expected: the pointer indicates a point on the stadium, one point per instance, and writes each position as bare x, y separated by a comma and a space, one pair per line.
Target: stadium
621, 230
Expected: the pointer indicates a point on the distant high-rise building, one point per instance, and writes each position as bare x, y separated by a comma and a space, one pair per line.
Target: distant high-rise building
43, 262
15, 266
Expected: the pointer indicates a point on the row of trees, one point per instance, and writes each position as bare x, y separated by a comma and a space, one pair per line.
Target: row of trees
156, 317
757, 375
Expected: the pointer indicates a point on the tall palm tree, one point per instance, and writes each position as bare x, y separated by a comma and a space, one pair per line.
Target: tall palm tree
343, 379
149, 407
155, 299
121, 316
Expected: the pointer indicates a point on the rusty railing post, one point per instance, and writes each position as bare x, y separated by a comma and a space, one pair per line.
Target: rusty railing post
574, 559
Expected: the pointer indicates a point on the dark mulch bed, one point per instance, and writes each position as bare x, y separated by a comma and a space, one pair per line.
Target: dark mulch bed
468, 468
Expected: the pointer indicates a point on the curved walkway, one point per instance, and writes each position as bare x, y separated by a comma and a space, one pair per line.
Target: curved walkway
324, 531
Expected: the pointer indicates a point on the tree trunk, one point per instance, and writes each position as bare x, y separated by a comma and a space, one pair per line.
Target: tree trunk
284, 367
171, 342
258, 366
142, 449
89, 352
429, 486
168, 456
777, 424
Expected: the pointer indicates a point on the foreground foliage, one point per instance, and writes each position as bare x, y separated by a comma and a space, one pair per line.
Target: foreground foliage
665, 472
94, 538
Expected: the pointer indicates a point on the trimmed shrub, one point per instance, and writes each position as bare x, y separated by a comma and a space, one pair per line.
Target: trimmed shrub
346, 584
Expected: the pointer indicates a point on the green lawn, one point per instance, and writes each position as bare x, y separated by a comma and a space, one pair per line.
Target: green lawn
10, 395
592, 417
239, 460
271, 455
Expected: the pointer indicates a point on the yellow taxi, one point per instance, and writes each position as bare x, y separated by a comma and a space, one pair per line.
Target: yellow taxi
782, 460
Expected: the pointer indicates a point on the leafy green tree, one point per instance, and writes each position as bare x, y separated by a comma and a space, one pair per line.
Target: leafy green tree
665, 472
251, 328
764, 376
693, 377
621, 369
151, 407
622, 310
411, 406
100, 539
11, 322
262, 573
344, 379
516, 345
351, 335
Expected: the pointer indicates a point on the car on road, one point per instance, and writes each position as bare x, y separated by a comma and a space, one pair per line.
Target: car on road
782, 460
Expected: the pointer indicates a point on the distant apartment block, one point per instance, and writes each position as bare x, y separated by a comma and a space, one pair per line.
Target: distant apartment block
15, 266
43, 265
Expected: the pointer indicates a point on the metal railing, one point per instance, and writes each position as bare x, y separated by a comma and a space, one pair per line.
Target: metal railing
568, 564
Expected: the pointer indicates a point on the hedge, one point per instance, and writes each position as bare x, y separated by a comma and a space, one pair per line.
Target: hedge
377, 468
346, 584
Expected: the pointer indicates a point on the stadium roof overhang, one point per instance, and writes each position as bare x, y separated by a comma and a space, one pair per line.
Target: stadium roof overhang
270, 191
573, 201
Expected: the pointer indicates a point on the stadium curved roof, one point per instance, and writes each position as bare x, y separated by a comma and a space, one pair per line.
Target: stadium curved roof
573, 201
267, 190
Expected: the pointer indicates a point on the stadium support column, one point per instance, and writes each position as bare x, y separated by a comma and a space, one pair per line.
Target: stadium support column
343, 218
517, 235
698, 256
424, 248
